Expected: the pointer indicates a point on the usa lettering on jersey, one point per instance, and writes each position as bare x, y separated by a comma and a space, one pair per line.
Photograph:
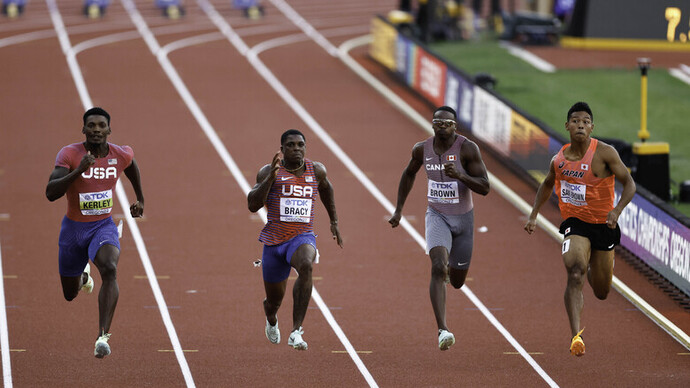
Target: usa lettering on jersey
100, 173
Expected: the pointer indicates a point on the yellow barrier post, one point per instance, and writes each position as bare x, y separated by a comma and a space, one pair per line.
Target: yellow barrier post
652, 171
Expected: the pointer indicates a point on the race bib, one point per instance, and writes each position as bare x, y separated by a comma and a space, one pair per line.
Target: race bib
295, 209
443, 192
95, 204
573, 194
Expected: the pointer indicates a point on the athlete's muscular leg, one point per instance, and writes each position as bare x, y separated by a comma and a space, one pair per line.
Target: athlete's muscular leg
457, 277
302, 260
106, 261
600, 273
274, 298
576, 251
437, 286
72, 284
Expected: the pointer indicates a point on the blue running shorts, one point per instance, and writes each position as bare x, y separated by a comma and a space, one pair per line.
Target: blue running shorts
456, 233
275, 262
80, 241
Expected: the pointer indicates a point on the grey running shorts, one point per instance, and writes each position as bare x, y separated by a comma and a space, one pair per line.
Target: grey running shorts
456, 233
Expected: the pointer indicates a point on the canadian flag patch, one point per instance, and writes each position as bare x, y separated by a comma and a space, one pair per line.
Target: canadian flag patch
451, 158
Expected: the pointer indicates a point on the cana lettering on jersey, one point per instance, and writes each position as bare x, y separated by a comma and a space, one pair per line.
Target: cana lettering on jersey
434, 167
100, 173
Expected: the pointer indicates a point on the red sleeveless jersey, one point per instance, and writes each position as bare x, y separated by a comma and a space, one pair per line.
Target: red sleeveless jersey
290, 205
580, 193
90, 197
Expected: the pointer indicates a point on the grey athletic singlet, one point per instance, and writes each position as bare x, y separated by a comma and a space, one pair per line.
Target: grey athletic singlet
444, 194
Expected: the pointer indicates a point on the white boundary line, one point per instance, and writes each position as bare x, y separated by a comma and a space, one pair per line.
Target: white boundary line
122, 198
161, 55
364, 180
528, 57
507, 193
4, 332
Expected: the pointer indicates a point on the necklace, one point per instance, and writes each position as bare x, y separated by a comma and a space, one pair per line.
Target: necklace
296, 169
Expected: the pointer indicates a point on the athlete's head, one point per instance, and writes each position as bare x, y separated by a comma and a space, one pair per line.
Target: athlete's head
289, 132
446, 109
96, 111
580, 107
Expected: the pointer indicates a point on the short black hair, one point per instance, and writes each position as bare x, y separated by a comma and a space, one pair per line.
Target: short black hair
447, 109
289, 132
96, 111
579, 107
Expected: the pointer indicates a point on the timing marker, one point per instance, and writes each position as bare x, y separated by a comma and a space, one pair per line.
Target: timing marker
357, 351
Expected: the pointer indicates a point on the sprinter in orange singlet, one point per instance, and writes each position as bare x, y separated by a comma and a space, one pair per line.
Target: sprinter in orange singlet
583, 176
288, 187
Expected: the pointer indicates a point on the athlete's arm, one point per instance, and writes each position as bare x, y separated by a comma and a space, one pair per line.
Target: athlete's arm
132, 173
327, 197
62, 177
264, 180
407, 181
543, 194
476, 178
615, 164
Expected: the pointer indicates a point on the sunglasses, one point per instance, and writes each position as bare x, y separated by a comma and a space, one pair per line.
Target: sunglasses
443, 122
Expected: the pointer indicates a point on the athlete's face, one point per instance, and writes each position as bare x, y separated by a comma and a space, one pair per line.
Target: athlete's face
579, 126
444, 124
294, 149
96, 129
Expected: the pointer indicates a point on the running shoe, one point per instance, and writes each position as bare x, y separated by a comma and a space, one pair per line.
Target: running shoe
272, 333
88, 286
577, 345
446, 339
296, 340
102, 348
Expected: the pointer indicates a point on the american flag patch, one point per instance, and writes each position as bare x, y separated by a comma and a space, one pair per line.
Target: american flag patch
451, 158
112, 161
584, 167
308, 179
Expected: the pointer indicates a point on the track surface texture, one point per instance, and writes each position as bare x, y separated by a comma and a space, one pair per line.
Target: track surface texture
199, 240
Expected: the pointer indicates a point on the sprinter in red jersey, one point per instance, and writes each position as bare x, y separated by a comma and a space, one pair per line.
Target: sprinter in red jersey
583, 174
288, 187
87, 173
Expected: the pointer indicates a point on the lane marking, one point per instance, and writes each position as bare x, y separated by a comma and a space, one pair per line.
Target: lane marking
239, 44
358, 352
4, 334
181, 88
528, 57
121, 194
157, 277
184, 350
506, 192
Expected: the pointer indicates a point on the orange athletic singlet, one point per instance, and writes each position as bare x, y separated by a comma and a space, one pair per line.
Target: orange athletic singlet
580, 193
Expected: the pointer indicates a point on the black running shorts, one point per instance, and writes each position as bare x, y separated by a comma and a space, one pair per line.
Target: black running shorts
600, 236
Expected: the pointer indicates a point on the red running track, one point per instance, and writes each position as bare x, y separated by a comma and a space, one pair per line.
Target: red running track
201, 239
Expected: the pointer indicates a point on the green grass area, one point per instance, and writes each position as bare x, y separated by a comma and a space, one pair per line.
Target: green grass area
613, 94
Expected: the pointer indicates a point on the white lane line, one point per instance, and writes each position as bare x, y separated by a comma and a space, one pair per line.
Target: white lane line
122, 198
528, 57
4, 333
308, 29
496, 184
219, 146
682, 72
390, 208
239, 44
507, 193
